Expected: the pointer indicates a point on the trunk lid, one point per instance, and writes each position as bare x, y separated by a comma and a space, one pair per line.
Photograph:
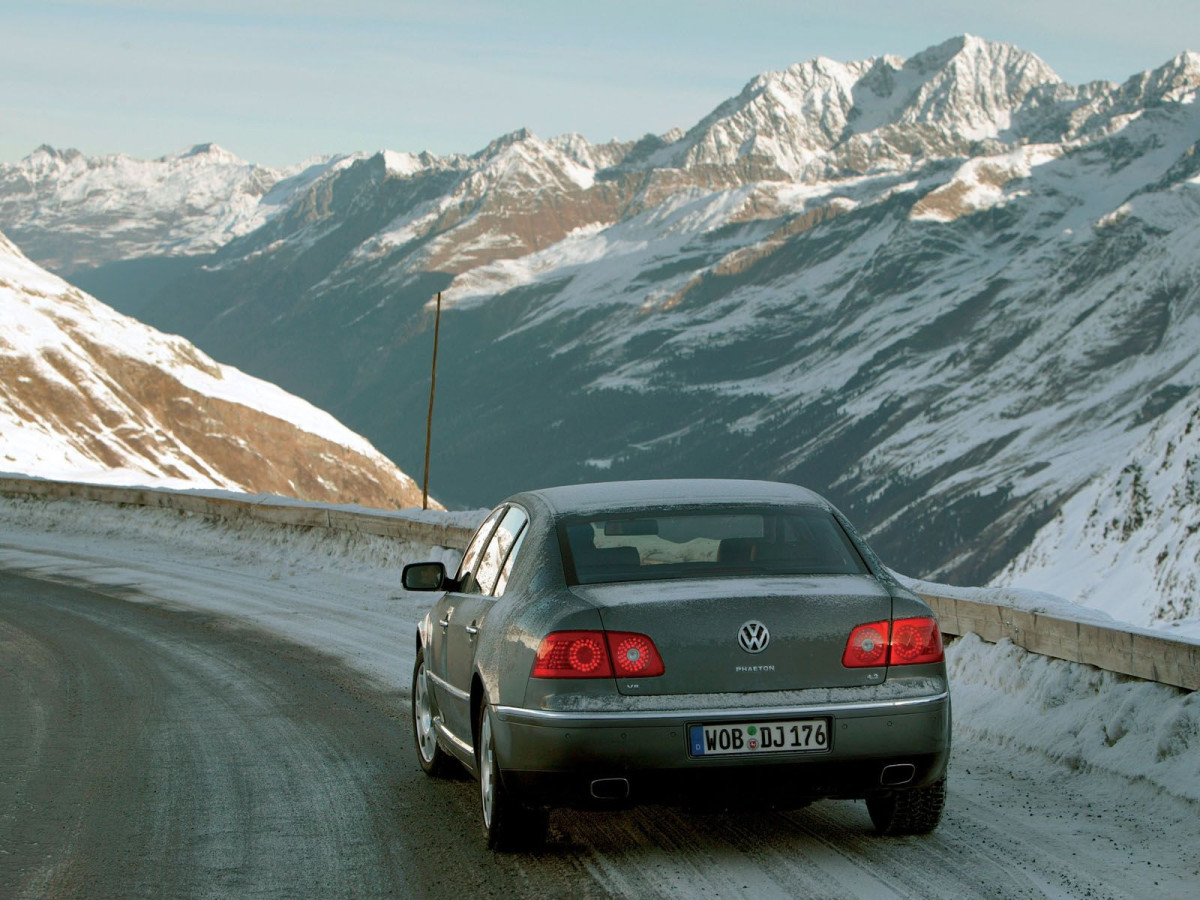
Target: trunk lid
695, 624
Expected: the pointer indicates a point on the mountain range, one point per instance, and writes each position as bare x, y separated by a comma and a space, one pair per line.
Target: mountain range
951, 291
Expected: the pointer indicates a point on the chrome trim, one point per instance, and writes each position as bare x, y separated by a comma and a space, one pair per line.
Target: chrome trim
645, 717
447, 686
462, 746
753, 636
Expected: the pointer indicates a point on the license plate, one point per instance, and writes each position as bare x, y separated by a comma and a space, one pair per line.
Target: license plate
728, 738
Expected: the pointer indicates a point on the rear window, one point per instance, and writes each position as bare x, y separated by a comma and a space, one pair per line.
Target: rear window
709, 543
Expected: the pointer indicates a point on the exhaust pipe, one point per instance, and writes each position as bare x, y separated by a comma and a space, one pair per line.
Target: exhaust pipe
898, 774
611, 788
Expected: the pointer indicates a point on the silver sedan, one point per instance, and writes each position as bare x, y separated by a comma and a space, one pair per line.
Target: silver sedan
709, 643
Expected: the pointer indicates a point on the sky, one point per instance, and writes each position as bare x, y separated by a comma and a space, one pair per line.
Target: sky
278, 82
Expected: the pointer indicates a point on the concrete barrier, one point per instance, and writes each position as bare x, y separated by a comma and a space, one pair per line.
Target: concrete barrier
1127, 650
272, 510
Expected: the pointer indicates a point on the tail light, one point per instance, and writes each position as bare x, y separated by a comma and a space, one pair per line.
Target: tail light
904, 642
867, 646
916, 641
634, 655
573, 654
597, 654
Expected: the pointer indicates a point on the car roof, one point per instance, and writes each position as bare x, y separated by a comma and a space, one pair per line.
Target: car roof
583, 499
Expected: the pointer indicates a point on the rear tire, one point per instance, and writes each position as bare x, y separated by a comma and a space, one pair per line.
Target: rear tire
509, 824
915, 811
433, 759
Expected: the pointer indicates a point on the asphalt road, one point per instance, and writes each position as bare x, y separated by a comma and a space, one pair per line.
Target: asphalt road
146, 753
154, 753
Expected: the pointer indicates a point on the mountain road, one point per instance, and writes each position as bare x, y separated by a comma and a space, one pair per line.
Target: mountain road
150, 752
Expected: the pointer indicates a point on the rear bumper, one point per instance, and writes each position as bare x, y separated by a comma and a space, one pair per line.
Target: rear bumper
556, 758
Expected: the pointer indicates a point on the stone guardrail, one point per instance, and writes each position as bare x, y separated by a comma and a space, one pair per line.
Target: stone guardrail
1130, 651
1139, 652
262, 508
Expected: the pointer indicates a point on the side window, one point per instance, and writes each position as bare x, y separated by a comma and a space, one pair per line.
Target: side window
474, 550
498, 547
508, 564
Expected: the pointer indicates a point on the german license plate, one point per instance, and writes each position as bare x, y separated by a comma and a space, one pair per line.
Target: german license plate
728, 738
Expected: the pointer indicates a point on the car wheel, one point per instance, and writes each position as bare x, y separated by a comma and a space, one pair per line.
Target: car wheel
433, 759
915, 811
509, 824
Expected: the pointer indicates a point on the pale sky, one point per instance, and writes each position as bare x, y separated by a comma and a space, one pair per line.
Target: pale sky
277, 82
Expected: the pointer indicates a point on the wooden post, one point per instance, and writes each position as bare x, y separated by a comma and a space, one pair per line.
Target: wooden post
437, 322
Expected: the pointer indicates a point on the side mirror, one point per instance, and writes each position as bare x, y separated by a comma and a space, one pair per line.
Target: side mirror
428, 576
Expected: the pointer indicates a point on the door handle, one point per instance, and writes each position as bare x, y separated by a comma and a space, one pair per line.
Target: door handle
445, 623
471, 629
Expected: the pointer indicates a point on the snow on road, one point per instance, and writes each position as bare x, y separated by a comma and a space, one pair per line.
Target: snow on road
1065, 781
334, 591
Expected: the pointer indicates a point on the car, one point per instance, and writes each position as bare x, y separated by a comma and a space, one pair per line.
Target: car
705, 643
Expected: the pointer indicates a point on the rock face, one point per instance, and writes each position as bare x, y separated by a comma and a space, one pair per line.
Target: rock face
90, 394
948, 292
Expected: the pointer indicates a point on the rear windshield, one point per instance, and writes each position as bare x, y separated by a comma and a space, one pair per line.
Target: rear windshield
709, 543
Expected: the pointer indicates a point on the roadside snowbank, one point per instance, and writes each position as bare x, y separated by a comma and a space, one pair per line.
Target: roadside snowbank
1079, 716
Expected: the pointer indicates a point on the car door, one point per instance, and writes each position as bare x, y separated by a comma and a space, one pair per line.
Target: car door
444, 611
468, 623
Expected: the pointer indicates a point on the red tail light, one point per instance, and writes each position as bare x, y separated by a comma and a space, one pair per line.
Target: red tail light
573, 654
905, 642
867, 646
596, 654
634, 655
916, 641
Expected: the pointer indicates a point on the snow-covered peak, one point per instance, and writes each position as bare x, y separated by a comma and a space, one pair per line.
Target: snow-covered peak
46, 160
974, 86
972, 57
523, 161
814, 119
574, 146
71, 211
209, 153
402, 164
406, 165
502, 143
1110, 108
45, 151
1176, 79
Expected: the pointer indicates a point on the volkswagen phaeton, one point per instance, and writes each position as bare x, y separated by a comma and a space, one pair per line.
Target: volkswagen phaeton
704, 643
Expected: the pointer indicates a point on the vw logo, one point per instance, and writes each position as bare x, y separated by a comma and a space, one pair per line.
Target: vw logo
754, 637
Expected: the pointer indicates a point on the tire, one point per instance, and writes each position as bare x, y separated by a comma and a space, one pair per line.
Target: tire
915, 811
433, 759
509, 825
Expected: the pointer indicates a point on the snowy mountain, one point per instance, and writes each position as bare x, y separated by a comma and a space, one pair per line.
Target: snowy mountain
92, 395
1129, 542
824, 119
73, 212
949, 291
